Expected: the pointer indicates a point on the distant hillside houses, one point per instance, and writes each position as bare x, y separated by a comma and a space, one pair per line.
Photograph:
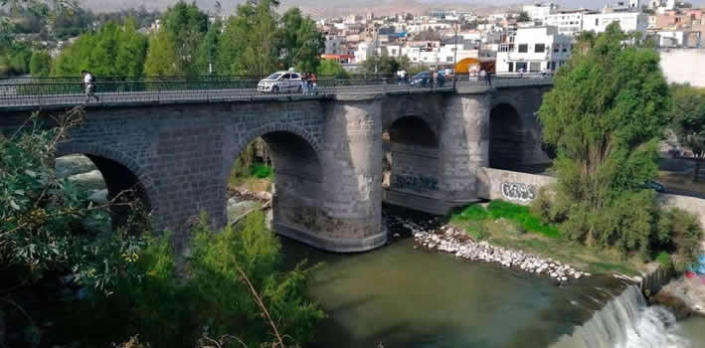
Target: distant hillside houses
442, 37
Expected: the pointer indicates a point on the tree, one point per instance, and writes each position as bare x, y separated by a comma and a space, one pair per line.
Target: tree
300, 43
605, 115
688, 116
249, 43
113, 50
208, 50
131, 51
186, 25
383, 64
523, 17
331, 68
162, 58
40, 64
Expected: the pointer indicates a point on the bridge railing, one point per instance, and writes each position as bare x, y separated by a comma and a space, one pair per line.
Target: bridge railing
31, 92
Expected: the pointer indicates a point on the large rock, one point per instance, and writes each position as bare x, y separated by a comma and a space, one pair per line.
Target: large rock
66, 166
239, 209
99, 197
92, 180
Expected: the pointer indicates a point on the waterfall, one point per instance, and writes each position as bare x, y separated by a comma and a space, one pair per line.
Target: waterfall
627, 322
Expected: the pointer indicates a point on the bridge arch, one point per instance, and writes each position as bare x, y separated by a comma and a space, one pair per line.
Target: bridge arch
123, 177
298, 178
505, 137
411, 154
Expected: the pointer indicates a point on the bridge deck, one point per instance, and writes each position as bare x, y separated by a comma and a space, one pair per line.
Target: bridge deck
23, 95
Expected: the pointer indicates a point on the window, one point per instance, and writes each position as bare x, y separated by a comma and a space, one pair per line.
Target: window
540, 48
394, 51
597, 21
294, 76
556, 48
521, 67
535, 67
510, 66
523, 48
449, 59
286, 77
565, 48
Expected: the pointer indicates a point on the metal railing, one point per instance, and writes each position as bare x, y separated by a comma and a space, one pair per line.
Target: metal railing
59, 92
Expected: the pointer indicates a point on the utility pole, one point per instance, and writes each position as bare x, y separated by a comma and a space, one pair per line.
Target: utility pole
374, 27
455, 55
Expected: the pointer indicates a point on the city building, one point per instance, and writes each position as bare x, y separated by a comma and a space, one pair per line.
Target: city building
539, 12
534, 49
628, 21
568, 22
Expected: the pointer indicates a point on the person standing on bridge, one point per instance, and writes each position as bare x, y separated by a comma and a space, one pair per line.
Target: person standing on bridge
89, 82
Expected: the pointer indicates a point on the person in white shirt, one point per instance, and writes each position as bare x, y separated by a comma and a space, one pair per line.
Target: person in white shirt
89, 82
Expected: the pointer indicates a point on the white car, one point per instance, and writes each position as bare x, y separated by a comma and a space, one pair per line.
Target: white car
281, 81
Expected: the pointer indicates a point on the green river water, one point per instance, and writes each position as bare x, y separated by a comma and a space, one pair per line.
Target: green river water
405, 297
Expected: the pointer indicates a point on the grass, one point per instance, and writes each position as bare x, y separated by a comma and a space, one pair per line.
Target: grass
521, 216
504, 224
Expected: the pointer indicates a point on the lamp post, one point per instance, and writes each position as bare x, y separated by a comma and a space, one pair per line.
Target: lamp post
455, 54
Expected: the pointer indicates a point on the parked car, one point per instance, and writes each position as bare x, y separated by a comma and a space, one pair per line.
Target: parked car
422, 79
653, 185
281, 81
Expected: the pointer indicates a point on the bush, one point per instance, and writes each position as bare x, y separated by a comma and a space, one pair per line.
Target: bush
261, 171
680, 231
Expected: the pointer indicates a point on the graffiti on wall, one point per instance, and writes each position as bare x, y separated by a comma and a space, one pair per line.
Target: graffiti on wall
518, 192
418, 183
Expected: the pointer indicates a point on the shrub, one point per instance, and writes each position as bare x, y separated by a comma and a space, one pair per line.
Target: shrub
680, 231
261, 171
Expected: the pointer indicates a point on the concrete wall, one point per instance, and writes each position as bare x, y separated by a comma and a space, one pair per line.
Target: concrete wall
521, 188
515, 187
684, 66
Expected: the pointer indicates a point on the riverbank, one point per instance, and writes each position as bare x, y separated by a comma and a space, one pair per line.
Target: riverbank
451, 240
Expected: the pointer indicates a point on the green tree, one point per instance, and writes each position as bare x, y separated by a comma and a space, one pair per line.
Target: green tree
300, 43
383, 65
186, 26
688, 116
40, 64
523, 17
249, 43
162, 56
208, 50
131, 51
331, 68
605, 115
114, 50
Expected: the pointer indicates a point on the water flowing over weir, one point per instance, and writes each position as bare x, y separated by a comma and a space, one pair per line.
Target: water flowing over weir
627, 322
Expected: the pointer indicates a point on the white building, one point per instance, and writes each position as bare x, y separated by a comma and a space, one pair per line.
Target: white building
539, 12
534, 50
568, 22
628, 21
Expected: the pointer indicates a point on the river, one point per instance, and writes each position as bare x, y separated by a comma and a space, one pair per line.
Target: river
405, 297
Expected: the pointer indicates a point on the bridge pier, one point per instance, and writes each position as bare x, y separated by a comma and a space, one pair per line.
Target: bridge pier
464, 144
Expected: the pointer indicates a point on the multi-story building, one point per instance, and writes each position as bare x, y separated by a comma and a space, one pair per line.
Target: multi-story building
568, 22
628, 21
534, 50
539, 12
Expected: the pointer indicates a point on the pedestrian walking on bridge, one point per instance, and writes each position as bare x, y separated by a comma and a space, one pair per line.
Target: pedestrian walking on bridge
89, 82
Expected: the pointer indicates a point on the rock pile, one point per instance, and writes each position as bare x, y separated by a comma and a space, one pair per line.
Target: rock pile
457, 242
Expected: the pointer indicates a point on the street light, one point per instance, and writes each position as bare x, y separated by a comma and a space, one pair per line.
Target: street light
455, 54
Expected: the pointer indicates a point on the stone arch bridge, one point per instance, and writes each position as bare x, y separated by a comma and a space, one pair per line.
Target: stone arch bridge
327, 150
